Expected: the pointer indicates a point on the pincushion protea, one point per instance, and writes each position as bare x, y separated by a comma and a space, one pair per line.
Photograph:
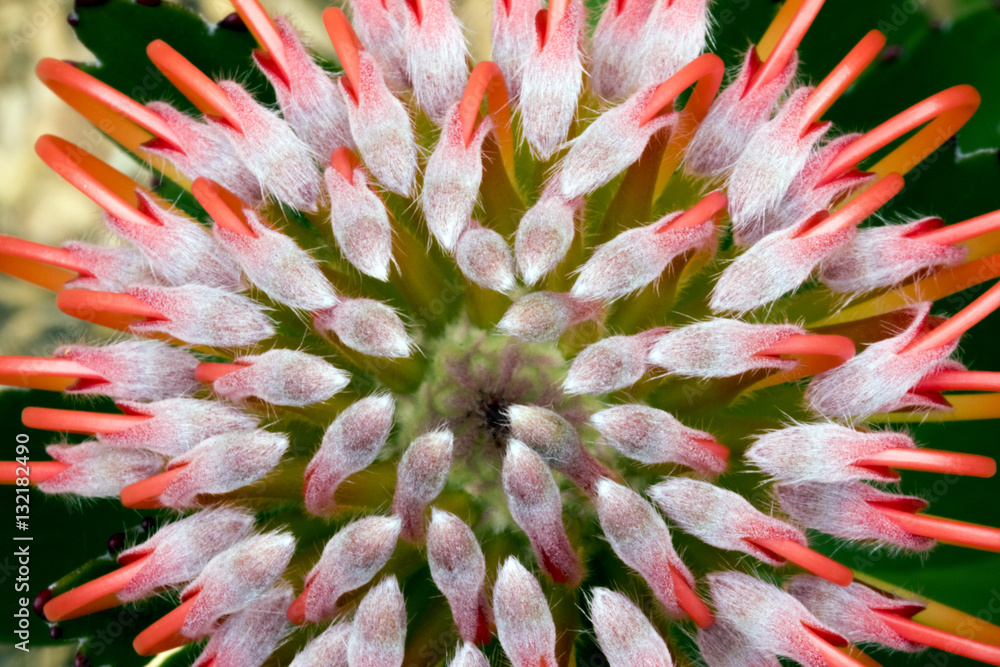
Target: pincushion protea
398, 386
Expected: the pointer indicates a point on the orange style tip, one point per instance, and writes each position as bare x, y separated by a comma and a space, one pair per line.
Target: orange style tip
344, 161
839, 347
208, 372
145, 494
36, 471
111, 309
345, 42
710, 206
932, 460
485, 78
225, 208
704, 73
689, 602
940, 639
297, 610
165, 634
256, 18
950, 531
716, 448
20, 255
807, 559
826, 644
76, 421
93, 596
198, 88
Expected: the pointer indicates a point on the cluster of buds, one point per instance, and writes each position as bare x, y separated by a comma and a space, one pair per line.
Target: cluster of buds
426, 376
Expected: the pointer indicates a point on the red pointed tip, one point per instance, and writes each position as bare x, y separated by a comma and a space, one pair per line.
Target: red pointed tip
204, 93
689, 601
39, 264
77, 421
931, 460
940, 639
110, 309
210, 371
807, 559
345, 41
297, 610
344, 161
43, 373
93, 596
971, 535
36, 471
165, 634
225, 208
838, 347
256, 18
145, 494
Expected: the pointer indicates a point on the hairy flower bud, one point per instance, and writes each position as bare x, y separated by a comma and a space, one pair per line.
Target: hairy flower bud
435, 57
282, 377
514, 39
524, 622
360, 223
223, 463
611, 364
536, 506
722, 645
458, 569
542, 316
420, 477
111, 268
641, 539
367, 326
653, 436
134, 370
175, 425
674, 34
202, 315
484, 257
350, 559
615, 48
625, 635
351, 444
329, 649
378, 636
381, 28
545, 234
248, 637
97, 470
469, 656
721, 348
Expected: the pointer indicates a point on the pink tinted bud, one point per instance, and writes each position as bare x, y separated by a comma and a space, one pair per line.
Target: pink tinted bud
234, 579
642, 540
514, 39
851, 610
775, 265
545, 234
625, 635
207, 152
883, 376
420, 477
97, 470
484, 257
176, 553
536, 506
721, 518
270, 149
350, 560
542, 316
452, 178
638, 257
202, 315
381, 28
436, 56
179, 249
734, 117
769, 619
524, 622
615, 48
557, 441
351, 444
282, 377
309, 99
277, 265
329, 649
134, 370
112, 268
653, 436
849, 511
721, 348
771, 160
469, 656
610, 144
378, 637
223, 463
381, 128
458, 569
886, 256
552, 79
674, 34
175, 425
360, 223
248, 637
366, 326
722, 645
824, 452
611, 364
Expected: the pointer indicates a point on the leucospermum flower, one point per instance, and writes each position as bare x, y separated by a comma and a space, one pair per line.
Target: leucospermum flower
438, 365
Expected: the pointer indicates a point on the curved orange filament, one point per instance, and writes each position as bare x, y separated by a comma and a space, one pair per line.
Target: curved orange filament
486, 81
962, 231
939, 639
225, 208
971, 535
43, 373
840, 78
806, 558
110, 309
347, 45
689, 601
832, 656
39, 264
297, 610
194, 84
344, 161
932, 460
38, 471
144, 495
210, 371
961, 381
266, 34
859, 208
711, 206
77, 421
165, 634
944, 114
93, 596
782, 38
959, 323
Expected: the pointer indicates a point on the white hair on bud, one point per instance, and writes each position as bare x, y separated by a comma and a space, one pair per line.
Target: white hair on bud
674, 34
542, 316
282, 377
360, 223
328, 649
625, 635
458, 569
420, 477
436, 57
248, 637
134, 370
484, 257
97, 470
111, 268
611, 364
378, 636
722, 645
524, 622
469, 656
545, 234
513, 38
366, 326
381, 28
